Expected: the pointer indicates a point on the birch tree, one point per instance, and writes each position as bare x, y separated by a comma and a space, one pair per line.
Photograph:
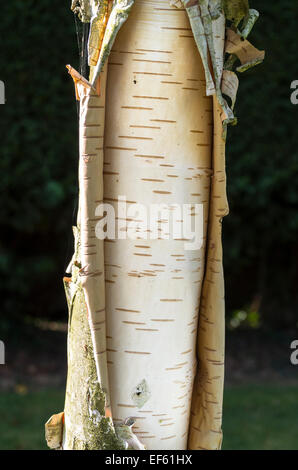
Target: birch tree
146, 312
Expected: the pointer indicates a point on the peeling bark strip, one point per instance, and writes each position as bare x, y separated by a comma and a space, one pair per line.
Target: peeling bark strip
142, 292
248, 55
206, 414
54, 431
207, 19
92, 256
118, 16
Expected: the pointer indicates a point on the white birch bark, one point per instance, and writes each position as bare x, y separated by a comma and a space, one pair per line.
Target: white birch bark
153, 156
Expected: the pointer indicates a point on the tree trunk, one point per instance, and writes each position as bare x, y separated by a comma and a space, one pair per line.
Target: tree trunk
146, 308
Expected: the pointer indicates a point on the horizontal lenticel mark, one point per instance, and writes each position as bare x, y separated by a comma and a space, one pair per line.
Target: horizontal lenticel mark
130, 52
154, 73
137, 352
171, 300
150, 97
153, 179
98, 323
163, 120
155, 50
172, 83
146, 329
141, 254
173, 10
123, 405
133, 322
120, 148
183, 396
144, 127
134, 137
116, 200
175, 29
150, 156
162, 192
127, 310
101, 310
137, 107
186, 352
152, 61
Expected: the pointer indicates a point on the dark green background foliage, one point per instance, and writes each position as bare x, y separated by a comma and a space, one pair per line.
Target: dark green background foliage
39, 158
38, 154
260, 234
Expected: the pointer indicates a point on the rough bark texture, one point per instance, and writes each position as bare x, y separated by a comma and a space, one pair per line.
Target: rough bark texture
85, 426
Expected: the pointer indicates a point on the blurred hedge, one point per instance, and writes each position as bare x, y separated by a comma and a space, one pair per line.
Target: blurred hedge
39, 154
260, 234
39, 165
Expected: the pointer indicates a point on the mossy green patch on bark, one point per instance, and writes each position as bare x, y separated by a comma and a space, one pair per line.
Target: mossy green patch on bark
235, 10
85, 426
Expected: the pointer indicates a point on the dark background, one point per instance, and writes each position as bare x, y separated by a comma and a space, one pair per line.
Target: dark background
38, 187
39, 159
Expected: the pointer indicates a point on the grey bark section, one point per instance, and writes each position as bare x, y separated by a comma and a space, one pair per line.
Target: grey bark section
85, 427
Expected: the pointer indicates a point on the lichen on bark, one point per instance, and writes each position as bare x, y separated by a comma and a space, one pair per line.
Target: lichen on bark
82, 9
86, 427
